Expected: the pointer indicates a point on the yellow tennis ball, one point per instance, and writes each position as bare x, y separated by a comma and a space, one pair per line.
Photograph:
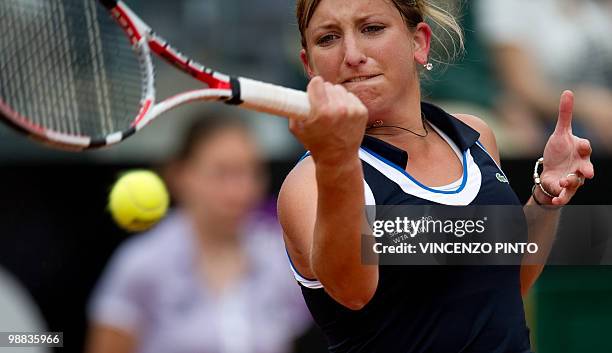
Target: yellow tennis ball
138, 200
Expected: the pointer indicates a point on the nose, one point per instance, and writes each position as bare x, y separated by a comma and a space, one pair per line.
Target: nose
353, 53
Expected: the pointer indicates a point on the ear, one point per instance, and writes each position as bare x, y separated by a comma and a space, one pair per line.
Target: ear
306, 64
422, 43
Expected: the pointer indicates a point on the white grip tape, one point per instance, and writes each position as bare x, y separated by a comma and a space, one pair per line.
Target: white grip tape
273, 99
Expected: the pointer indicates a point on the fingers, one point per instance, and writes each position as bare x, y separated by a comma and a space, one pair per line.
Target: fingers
317, 96
358, 105
333, 100
584, 147
585, 150
587, 170
569, 186
564, 197
296, 126
336, 123
352, 105
337, 94
566, 108
317, 93
572, 181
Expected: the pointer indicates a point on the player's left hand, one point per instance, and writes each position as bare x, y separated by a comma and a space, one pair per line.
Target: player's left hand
567, 158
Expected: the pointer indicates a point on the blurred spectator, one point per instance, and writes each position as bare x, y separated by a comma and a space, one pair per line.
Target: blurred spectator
467, 84
542, 47
19, 312
213, 277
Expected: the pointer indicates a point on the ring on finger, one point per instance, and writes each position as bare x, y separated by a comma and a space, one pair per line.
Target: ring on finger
580, 179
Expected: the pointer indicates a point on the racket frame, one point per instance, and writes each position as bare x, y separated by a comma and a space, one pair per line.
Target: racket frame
249, 94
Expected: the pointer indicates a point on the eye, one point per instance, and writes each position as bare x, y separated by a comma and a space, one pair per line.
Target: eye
373, 29
326, 39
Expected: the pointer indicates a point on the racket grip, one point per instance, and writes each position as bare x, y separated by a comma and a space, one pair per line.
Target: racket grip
273, 99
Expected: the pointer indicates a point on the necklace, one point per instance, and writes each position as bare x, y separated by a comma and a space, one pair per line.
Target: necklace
380, 124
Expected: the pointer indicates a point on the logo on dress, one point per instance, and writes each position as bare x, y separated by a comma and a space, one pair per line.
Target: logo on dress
501, 178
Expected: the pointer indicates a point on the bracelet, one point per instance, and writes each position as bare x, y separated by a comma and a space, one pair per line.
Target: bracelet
537, 180
535, 199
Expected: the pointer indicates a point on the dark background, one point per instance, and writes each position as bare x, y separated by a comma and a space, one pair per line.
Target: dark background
56, 237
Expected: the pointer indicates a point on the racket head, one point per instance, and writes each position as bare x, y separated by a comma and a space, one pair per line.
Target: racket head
69, 74
78, 74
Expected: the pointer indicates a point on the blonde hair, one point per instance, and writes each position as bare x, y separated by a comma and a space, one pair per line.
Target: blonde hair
445, 26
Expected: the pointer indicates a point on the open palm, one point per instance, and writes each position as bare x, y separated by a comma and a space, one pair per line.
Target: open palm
567, 158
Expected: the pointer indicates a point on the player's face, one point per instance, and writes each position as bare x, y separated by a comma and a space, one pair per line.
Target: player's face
366, 46
223, 178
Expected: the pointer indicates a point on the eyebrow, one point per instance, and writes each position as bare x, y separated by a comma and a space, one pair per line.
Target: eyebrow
328, 24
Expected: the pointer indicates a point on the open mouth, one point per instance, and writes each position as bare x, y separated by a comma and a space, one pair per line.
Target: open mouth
360, 78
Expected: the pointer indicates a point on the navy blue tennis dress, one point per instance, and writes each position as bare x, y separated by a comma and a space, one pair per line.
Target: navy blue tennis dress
438, 309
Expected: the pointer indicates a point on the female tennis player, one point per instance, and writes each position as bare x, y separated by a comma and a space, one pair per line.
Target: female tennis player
371, 140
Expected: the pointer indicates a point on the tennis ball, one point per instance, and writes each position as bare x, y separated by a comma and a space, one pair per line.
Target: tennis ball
138, 200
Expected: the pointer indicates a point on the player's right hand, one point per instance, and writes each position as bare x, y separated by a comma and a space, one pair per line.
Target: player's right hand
336, 125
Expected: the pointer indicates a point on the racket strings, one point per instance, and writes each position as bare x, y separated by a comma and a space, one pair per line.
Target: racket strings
60, 105
66, 66
99, 67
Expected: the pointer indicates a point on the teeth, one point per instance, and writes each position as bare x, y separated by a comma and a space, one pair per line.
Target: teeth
359, 79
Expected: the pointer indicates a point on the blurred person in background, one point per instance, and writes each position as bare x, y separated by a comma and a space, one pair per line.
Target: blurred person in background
542, 46
469, 85
19, 313
213, 276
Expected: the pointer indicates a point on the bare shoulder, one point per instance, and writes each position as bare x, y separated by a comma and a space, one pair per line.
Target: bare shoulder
297, 204
487, 137
299, 180
475, 123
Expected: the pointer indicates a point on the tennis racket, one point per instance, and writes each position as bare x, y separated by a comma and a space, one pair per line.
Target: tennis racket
78, 74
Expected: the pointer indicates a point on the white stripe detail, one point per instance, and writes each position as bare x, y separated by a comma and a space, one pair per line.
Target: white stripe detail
369, 195
450, 142
467, 195
220, 76
370, 203
493, 159
67, 139
304, 281
450, 187
455, 184
114, 138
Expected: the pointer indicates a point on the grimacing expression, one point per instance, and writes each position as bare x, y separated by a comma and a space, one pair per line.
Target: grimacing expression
365, 46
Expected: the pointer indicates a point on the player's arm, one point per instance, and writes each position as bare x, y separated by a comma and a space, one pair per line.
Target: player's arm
321, 203
567, 163
106, 339
320, 209
541, 223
